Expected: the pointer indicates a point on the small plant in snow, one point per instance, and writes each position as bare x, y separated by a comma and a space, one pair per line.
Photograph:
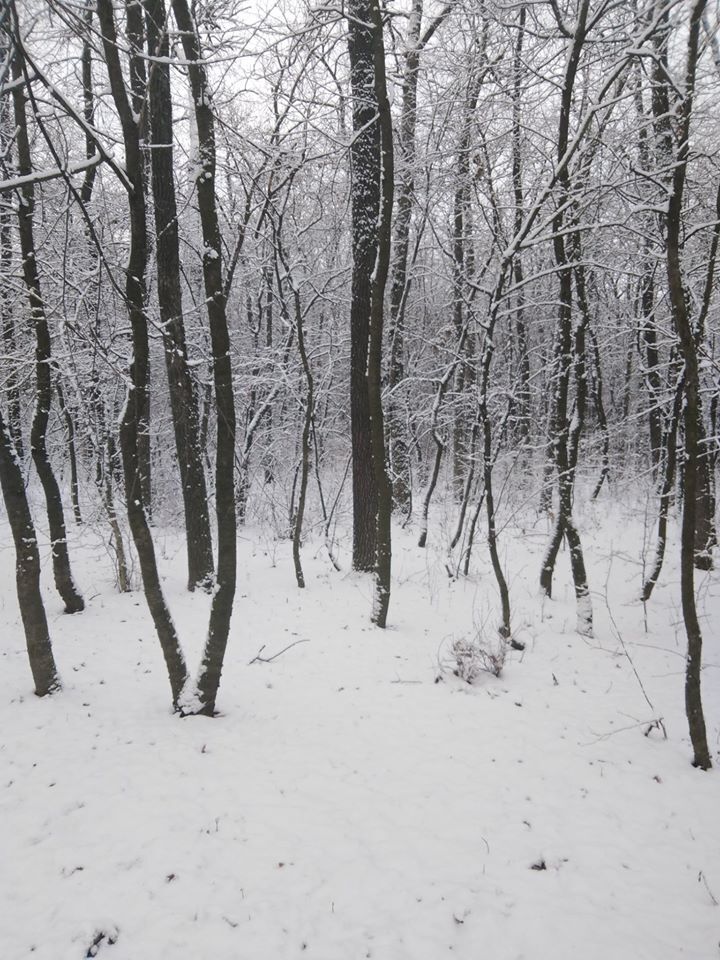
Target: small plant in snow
472, 656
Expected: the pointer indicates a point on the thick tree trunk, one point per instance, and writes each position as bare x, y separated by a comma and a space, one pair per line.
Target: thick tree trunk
383, 547
365, 164
372, 200
183, 392
27, 567
64, 582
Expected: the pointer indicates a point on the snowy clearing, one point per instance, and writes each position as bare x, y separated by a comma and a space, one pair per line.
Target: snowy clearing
348, 804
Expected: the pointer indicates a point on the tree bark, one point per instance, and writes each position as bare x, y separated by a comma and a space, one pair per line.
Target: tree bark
365, 165
383, 545
683, 325
182, 388
11, 389
132, 420
64, 582
27, 568
226, 576
564, 433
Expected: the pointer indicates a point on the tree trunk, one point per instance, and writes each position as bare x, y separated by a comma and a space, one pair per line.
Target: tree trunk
564, 433
523, 374
27, 567
400, 285
183, 392
225, 580
132, 420
383, 557
11, 389
365, 163
64, 582
683, 325
72, 451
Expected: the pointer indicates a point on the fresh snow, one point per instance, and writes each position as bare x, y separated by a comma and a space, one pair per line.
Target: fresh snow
348, 803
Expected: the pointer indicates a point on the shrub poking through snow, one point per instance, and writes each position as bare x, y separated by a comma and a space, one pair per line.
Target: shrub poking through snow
472, 656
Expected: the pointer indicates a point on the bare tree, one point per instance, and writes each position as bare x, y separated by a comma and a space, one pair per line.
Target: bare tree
43, 351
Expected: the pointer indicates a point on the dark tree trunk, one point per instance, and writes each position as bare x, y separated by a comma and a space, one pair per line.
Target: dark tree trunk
72, 451
225, 580
669, 462
132, 421
365, 163
646, 297
599, 402
86, 191
183, 393
400, 285
463, 269
564, 433
64, 582
396, 420
523, 389
27, 567
683, 325
383, 546
138, 93
11, 389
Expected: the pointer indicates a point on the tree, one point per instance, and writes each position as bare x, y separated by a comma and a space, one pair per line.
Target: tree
225, 579
134, 418
692, 477
183, 393
64, 581
372, 201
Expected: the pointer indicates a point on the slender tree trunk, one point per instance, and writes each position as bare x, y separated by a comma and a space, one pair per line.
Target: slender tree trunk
64, 582
564, 433
646, 297
668, 481
183, 393
683, 325
11, 388
599, 402
463, 269
226, 577
27, 567
72, 451
383, 546
135, 30
132, 420
400, 285
523, 392
305, 449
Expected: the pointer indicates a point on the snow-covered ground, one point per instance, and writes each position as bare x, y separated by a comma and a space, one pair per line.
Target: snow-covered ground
348, 803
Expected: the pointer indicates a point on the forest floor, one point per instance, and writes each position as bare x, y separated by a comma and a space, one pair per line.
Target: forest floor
355, 798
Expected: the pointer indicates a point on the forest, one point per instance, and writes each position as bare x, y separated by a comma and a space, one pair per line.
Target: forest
359, 362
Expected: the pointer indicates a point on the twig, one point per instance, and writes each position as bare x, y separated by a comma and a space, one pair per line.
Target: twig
616, 631
701, 879
258, 659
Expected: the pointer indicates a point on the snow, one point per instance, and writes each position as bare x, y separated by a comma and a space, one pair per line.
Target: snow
348, 803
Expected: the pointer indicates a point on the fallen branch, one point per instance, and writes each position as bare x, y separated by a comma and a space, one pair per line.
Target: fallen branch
258, 659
